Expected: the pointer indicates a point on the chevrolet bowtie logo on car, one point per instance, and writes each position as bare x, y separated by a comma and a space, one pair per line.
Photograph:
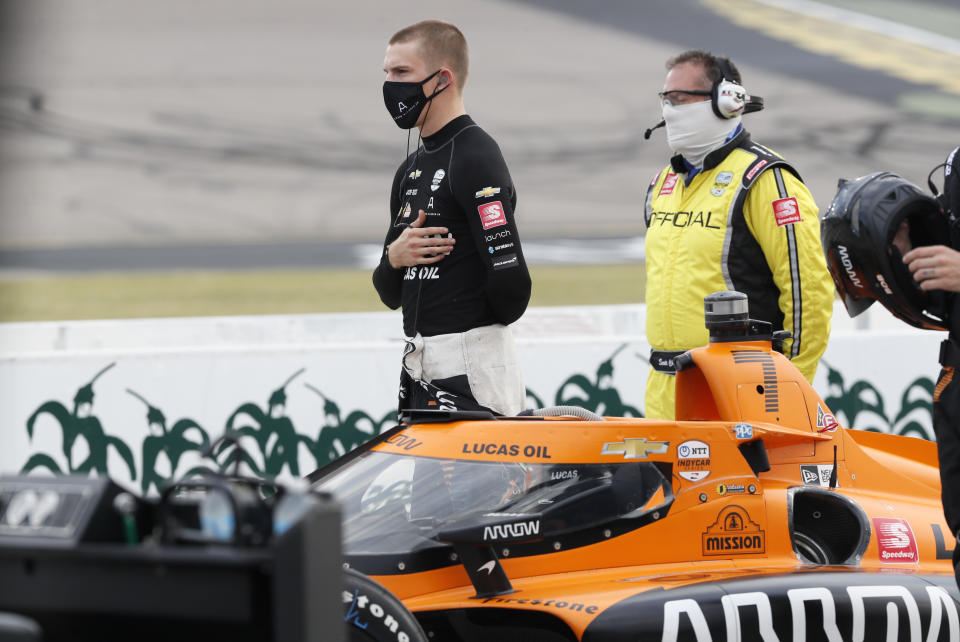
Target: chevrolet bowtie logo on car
635, 448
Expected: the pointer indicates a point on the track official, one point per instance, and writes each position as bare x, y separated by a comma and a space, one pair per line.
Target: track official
452, 256
726, 214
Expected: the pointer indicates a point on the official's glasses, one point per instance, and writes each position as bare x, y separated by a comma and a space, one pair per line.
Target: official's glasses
676, 97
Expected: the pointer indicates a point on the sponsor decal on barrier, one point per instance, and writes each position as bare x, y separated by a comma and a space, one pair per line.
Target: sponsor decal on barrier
635, 448
491, 214
693, 460
734, 533
895, 541
668, 184
786, 211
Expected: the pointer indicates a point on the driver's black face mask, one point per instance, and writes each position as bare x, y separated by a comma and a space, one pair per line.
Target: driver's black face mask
405, 100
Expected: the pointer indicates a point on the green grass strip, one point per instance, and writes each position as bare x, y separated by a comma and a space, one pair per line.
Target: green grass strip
184, 294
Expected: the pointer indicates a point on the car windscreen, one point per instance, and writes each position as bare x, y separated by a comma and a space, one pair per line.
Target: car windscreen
396, 503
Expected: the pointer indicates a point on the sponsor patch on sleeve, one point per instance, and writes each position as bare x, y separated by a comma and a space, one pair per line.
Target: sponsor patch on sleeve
786, 211
491, 214
487, 192
668, 184
506, 261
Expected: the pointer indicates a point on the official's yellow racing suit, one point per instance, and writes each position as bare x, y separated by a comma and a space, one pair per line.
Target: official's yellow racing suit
746, 222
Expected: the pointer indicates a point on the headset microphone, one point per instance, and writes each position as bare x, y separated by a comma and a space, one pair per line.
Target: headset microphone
646, 134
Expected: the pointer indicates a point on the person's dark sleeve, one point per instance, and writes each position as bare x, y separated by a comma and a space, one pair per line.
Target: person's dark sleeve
484, 191
386, 279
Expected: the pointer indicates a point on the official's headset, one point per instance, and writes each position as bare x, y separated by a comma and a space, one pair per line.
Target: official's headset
727, 97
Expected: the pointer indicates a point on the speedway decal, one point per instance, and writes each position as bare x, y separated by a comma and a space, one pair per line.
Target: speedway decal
635, 448
491, 214
895, 541
693, 460
668, 184
786, 211
734, 533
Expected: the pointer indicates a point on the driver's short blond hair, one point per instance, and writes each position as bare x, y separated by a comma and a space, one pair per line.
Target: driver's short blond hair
441, 45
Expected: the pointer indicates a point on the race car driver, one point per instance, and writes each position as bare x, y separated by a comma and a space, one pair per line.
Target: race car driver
726, 214
937, 267
452, 256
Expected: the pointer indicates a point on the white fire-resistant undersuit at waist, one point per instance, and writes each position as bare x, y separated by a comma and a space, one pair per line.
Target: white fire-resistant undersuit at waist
486, 355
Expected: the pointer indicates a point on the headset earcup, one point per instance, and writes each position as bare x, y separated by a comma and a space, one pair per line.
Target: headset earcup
728, 99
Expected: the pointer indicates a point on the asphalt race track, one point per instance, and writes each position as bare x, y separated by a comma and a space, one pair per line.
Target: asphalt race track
222, 134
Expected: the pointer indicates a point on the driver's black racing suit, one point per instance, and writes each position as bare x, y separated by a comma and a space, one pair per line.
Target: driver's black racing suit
946, 394
463, 303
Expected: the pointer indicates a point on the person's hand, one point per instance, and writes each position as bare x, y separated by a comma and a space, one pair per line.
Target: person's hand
418, 245
935, 267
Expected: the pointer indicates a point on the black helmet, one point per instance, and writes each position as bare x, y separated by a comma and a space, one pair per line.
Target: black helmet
857, 234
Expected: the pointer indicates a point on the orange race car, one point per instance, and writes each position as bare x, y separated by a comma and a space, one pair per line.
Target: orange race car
753, 516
